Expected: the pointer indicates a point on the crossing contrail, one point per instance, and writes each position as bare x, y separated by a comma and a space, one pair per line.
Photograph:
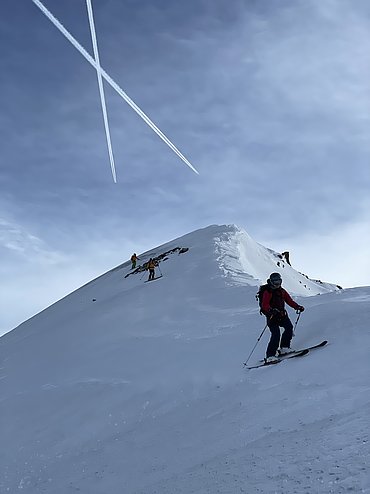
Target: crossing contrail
101, 88
112, 83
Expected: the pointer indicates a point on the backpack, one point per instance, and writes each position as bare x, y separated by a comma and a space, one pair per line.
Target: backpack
259, 295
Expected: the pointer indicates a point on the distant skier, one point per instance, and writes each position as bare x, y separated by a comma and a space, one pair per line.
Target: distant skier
134, 258
273, 307
151, 266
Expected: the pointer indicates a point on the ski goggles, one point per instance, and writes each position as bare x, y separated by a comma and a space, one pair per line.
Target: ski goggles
275, 283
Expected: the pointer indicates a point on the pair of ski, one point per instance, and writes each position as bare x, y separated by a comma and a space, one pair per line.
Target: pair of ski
298, 353
156, 278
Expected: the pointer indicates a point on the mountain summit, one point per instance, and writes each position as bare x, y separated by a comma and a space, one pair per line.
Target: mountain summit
127, 386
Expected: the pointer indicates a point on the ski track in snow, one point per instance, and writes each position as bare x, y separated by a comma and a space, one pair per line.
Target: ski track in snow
315, 458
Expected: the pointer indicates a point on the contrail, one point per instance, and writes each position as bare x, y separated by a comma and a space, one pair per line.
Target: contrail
110, 81
101, 88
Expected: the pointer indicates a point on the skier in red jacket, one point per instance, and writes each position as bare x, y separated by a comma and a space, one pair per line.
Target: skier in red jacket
273, 306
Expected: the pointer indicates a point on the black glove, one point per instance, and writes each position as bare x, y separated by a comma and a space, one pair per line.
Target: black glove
300, 308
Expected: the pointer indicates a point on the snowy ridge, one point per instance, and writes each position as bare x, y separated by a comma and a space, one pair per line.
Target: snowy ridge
132, 387
245, 261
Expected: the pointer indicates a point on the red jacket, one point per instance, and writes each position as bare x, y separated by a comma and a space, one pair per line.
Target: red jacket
276, 299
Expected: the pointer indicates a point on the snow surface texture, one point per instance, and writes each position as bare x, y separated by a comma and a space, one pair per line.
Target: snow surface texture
132, 387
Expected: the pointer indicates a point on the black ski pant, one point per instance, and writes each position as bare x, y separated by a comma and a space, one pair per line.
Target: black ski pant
274, 326
151, 274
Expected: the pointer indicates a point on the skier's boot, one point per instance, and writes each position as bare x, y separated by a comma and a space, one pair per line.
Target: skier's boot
271, 360
286, 350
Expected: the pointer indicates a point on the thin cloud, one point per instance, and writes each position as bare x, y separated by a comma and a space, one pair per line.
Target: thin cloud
19, 241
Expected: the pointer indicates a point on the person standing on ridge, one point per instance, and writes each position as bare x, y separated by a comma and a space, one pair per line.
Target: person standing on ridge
134, 258
273, 307
151, 266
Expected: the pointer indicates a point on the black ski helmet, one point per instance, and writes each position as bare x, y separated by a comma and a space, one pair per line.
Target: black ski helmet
275, 280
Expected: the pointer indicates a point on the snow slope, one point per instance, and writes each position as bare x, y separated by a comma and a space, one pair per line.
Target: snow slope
132, 387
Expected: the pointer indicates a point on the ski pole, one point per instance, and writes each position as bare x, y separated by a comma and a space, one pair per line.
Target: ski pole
142, 276
295, 325
260, 336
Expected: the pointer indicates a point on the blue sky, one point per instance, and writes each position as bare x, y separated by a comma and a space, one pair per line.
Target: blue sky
269, 100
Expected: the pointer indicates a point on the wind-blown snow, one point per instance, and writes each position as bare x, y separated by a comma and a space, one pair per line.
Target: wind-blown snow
132, 387
248, 262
